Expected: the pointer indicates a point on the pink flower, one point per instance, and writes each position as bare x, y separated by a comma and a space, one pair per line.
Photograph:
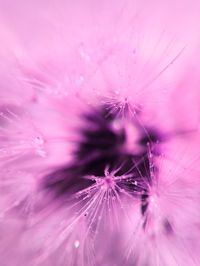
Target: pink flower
99, 133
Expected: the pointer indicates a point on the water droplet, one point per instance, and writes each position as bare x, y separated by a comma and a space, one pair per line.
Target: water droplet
76, 244
39, 140
79, 81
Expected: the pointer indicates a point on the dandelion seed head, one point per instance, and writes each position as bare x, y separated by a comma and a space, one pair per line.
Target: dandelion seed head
99, 153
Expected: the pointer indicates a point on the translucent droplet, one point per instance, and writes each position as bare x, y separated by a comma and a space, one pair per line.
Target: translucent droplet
76, 244
39, 141
79, 81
